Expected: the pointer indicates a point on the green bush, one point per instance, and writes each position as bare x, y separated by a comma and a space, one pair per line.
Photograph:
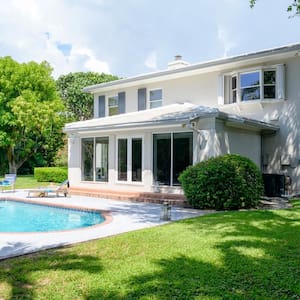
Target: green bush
230, 181
51, 174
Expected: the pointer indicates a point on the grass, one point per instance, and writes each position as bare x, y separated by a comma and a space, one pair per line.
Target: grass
28, 181
231, 255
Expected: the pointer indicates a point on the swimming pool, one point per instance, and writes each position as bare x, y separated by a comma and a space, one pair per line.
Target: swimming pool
16, 216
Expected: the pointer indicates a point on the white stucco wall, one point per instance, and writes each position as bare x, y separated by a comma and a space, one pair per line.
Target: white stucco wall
280, 152
197, 89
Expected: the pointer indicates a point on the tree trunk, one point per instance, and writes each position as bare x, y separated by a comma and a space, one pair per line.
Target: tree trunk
11, 161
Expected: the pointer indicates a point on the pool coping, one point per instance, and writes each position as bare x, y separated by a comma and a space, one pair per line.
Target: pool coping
105, 213
122, 217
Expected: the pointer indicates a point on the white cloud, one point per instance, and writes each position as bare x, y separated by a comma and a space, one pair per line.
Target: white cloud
38, 30
151, 60
90, 61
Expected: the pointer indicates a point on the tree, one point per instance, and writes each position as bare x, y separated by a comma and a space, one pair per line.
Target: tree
31, 112
293, 7
78, 103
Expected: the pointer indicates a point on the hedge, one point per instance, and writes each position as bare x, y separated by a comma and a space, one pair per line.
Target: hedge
230, 181
51, 174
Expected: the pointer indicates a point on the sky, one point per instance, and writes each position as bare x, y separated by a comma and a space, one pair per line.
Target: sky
131, 37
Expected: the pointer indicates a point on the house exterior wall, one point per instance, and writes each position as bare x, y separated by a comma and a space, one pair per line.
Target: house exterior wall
277, 153
280, 152
210, 138
198, 89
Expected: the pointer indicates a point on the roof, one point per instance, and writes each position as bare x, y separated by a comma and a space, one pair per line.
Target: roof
208, 66
170, 115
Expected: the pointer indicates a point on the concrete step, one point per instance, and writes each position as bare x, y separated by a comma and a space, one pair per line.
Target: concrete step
147, 197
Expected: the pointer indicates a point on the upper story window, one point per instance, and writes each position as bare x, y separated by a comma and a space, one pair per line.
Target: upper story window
250, 86
113, 105
110, 106
155, 98
270, 84
261, 84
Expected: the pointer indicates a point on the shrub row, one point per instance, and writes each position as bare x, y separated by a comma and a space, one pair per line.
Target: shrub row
225, 182
51, 174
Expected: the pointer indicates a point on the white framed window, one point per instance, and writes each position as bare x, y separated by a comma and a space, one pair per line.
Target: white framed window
155, 98
94, 159
113, 105
259, 84
130, 159
269, 84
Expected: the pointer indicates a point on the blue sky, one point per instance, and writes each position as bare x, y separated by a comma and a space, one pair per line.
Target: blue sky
130, 37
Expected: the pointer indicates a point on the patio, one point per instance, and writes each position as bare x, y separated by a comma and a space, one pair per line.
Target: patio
126, 216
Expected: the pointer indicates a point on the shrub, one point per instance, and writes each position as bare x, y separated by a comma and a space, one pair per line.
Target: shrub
230, 181
53, 174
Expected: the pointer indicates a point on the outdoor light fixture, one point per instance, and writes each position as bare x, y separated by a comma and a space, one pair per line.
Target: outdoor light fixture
165, 214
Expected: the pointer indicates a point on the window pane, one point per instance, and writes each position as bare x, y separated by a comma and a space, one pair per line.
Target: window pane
234, 96
87, 162
113, 106
136, 159
250, 94
182, 153
101, 159
249, 79
112, 111
162, 158
269, 92
155, 104
269, 77
122, 159
233, 82
155, 95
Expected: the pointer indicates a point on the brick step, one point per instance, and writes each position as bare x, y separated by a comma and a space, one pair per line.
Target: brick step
147, 197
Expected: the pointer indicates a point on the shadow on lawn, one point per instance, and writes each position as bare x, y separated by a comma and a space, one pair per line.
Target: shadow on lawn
260, 260
22, 284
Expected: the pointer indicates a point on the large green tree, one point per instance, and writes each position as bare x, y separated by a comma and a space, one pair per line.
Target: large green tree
31, 112
78, 103
294, 7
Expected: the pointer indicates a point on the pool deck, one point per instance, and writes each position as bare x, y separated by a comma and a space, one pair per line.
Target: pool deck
123, 217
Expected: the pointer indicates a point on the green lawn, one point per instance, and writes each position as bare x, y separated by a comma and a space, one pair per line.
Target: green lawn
231, 255
28, 181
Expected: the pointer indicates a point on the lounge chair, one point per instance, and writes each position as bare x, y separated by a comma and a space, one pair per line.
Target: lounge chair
8, 182
56, 190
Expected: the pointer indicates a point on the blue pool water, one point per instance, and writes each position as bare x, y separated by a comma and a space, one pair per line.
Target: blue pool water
25, 217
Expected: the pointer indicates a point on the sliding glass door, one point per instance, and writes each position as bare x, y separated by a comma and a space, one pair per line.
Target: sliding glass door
172, 153
130, 159
94, 159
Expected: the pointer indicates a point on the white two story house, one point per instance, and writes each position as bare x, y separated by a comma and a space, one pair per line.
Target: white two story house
147, 129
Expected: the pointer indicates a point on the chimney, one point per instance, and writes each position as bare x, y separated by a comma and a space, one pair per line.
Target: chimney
177, 63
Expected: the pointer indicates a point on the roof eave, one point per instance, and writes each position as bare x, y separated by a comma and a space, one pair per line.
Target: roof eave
207, 66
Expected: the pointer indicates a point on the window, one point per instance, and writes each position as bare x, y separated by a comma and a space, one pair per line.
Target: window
233, 89
262, 84
136, 158
172, 153
155, 98
101, 159
270, 84
113, 106
250, 86
94, 159
87, 150
130, 157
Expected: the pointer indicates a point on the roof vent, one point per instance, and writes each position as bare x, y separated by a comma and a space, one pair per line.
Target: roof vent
177, 63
